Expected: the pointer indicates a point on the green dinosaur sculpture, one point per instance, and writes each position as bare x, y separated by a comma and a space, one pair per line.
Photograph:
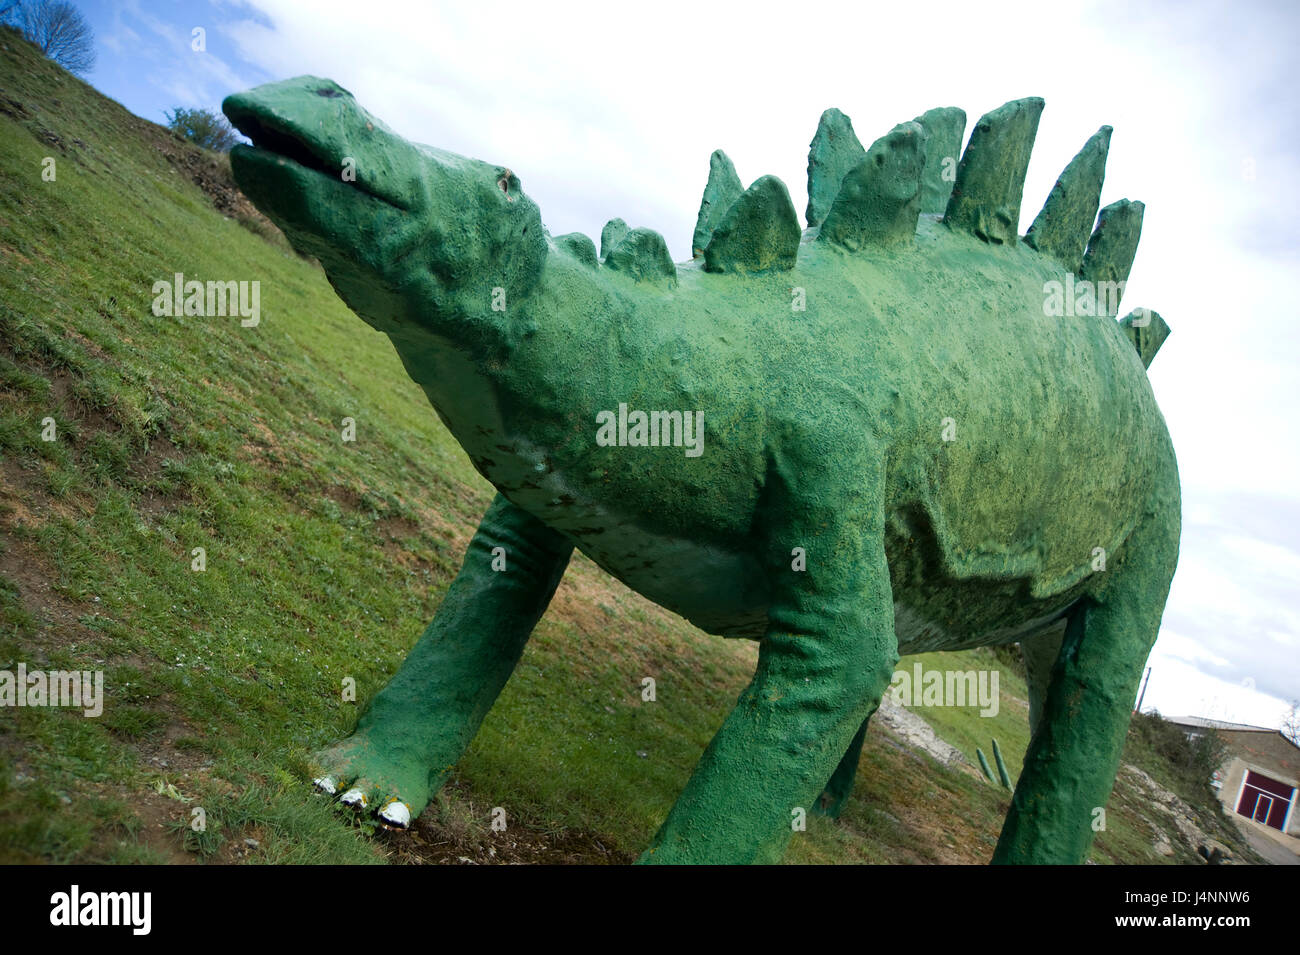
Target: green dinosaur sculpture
879, 435
1002, 766
984, 764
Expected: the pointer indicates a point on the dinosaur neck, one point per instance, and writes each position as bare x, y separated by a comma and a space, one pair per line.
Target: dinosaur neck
499, 376
457, 363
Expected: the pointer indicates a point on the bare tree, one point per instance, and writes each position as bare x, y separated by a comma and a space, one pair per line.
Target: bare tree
1291, 723
57, 28
203, 127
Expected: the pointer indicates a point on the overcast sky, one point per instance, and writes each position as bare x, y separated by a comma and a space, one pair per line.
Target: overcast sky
606, 110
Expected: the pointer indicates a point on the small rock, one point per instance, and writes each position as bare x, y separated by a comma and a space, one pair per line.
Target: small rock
252, 843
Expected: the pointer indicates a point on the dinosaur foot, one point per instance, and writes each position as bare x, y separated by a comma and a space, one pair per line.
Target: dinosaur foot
359, 775
393, 814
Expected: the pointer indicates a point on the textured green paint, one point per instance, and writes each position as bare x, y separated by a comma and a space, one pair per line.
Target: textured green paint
1093, 688
986, 198
1147, 330
834, 150
837, 791
415, 729
611, 235
722, 190
1114, 243
579, 246
945, 127
1001, 764
1062, 227
947, 459
880, 197
1040, 656
759, 233
984, 764
643, 255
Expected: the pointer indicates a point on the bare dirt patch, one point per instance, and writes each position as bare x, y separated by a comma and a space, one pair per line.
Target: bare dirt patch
211, 173
462, 840
58, 619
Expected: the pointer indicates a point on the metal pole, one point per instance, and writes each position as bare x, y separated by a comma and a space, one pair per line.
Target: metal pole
1146, 678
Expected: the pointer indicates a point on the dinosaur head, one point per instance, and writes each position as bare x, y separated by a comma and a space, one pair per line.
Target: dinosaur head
407, 234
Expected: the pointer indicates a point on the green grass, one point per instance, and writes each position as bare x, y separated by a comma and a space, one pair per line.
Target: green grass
324, 559
964, 726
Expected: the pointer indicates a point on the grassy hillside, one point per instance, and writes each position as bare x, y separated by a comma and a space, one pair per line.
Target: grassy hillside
324, 561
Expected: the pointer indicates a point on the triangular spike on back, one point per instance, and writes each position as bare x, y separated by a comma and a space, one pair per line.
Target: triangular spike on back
643, 254
986, 198
759, 233
945, 127
834, 150
579, 246
1062, 227
880, 197
723, 189
1109, 258
611, 236
1147, 330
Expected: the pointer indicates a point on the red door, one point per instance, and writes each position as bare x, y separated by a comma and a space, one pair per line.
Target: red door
1265, 800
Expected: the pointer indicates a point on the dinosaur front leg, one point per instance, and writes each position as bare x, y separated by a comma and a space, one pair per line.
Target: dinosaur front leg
824, 663
419, 724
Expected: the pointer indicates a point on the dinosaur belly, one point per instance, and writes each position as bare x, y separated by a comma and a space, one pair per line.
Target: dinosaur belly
724, 592
721, 591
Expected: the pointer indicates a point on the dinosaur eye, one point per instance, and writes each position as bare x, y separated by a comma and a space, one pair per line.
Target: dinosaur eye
507, 182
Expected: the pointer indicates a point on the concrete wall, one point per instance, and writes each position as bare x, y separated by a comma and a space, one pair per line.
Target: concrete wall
1267, 753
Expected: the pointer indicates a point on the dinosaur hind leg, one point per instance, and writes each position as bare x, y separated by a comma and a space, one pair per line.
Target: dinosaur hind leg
1070, 767
823, 665
840, 785
1040, 653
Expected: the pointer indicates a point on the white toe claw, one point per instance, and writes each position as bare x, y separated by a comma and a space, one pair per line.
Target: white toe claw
396, 813
326, 784
353, 797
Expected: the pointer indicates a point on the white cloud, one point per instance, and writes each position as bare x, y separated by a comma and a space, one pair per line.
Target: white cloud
1179, 688
161, 48
1174, 645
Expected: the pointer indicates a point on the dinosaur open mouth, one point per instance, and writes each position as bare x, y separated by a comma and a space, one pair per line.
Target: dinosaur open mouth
283, 144
272, 137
